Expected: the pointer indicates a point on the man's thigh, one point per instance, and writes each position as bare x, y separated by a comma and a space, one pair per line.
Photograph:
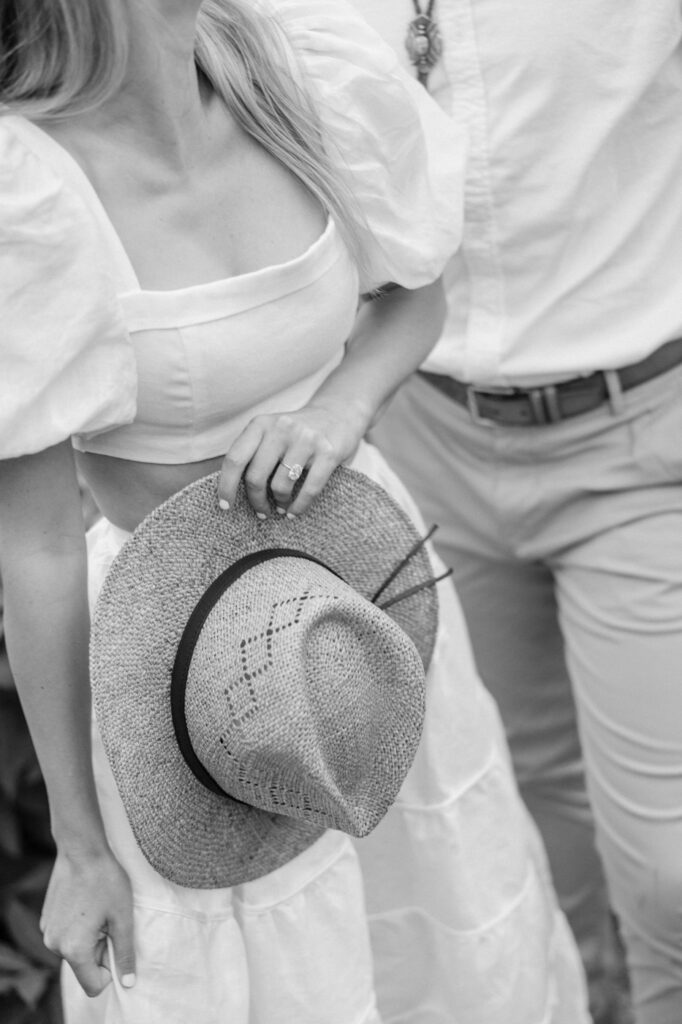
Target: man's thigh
458, 475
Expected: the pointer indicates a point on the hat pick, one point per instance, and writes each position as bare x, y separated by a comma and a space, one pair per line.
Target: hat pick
430, 582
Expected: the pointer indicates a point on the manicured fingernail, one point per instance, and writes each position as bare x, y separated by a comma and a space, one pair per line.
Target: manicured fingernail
281, 511
261, 515
290, 515
128, 980
224, 504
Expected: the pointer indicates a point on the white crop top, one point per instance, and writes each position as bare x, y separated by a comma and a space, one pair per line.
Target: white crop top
211, 356
174, 376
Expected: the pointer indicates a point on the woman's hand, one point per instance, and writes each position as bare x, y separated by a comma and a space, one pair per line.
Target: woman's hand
89, 901
274, 450
390, 339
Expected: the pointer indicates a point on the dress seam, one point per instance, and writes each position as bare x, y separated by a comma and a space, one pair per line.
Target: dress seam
493, 922
265, 908
494, 760
198, 916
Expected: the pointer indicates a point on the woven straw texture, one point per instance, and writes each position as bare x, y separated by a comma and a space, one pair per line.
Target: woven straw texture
304, 699
188, 834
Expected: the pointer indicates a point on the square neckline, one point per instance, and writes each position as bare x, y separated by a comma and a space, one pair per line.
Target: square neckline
290, 270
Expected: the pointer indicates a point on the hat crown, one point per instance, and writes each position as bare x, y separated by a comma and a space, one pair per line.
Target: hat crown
293, 708
189, 830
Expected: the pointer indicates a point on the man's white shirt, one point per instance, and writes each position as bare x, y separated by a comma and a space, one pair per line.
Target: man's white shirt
572, 252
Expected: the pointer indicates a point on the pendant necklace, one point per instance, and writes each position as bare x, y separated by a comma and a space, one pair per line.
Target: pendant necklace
423, 43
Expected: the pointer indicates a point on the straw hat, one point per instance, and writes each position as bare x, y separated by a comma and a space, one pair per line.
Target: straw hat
248, 692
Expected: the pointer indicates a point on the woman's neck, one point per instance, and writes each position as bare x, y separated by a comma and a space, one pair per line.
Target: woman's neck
162, 101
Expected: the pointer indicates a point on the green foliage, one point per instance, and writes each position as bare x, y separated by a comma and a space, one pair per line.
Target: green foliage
29, 987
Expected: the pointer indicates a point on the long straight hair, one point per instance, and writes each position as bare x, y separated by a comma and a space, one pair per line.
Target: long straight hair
59, 58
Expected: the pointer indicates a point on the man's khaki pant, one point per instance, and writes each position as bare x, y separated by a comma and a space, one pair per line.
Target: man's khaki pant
566, 546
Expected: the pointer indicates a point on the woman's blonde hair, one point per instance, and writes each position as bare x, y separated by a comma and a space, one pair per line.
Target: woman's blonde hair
59, 57
64, 57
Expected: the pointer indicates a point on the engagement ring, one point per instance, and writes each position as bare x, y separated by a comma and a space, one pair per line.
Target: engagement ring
294, 471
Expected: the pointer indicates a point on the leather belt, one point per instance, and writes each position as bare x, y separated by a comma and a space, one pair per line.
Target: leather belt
528, 407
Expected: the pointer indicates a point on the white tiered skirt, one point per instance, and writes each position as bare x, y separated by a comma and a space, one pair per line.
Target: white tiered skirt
444, 915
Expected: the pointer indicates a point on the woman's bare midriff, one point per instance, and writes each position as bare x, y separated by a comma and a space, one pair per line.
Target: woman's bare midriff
126, 491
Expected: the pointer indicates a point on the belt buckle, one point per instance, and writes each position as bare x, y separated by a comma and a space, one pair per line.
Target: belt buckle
472, 401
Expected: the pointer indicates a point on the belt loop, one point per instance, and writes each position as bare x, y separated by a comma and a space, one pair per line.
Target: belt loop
472, 406
613, 386
552, 403
537, 405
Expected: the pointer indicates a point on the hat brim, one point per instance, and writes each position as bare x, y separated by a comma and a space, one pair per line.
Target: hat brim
188, 834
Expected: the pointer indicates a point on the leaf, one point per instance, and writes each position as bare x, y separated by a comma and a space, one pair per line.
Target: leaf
10, 832
11, 960
23, 877
33, 882
31, 984
13, 1010
23, 927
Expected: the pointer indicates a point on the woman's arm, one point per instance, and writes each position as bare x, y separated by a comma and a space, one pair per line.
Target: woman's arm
43, 565
391, 338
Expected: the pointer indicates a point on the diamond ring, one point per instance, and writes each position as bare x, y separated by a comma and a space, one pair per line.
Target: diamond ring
294, 471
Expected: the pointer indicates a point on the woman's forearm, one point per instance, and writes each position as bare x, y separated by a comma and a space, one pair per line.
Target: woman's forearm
392, 337
43, 566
